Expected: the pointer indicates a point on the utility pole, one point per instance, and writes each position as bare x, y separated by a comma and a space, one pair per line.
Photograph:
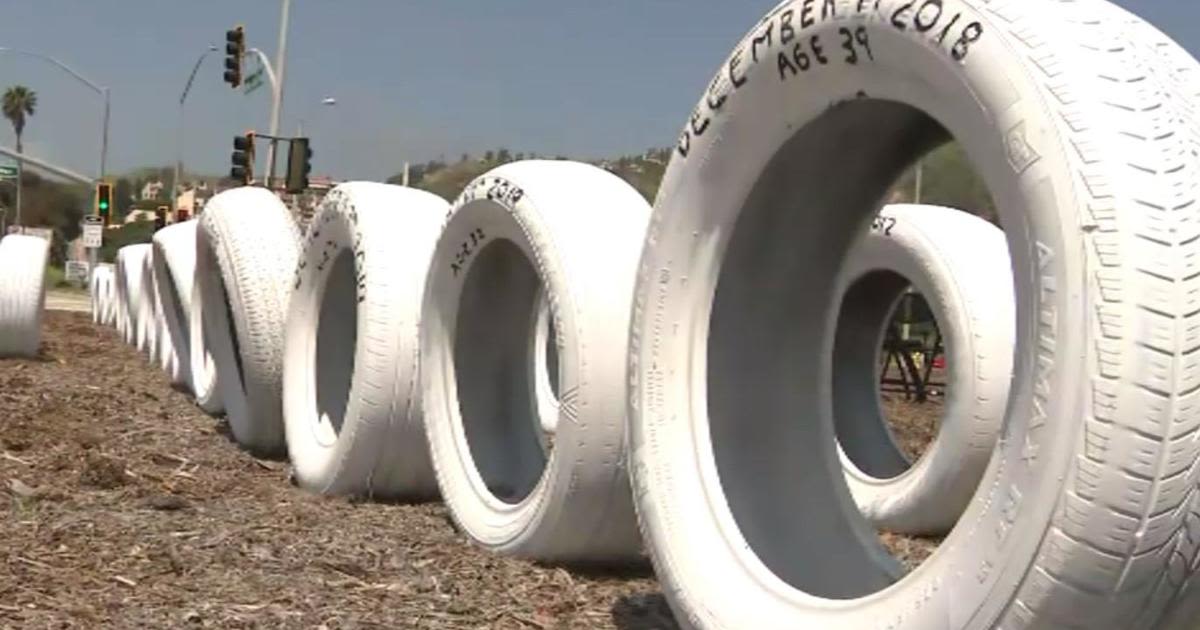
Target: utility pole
20, 172
280, 57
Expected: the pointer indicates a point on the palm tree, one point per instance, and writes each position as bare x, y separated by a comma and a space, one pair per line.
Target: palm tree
19, 103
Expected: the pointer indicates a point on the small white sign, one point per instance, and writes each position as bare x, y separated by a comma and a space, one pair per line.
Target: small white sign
76, 271
93, 234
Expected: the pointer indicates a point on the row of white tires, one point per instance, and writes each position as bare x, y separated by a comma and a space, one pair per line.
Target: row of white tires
714, 381
340, 405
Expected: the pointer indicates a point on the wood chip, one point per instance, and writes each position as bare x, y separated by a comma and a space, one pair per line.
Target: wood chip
33, 563
124, 580
21, 489
13, 458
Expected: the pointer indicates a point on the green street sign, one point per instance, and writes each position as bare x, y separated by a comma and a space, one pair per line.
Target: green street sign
8, 172
254, 81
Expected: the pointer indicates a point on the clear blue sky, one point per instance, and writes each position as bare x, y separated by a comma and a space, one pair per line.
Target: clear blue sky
414, 79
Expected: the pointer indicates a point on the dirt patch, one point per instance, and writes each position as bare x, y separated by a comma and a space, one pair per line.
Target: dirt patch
104, 473
134, 510
913, 424
131, 508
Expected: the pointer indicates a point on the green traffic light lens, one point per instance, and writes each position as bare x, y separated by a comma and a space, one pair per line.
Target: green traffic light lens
104, 205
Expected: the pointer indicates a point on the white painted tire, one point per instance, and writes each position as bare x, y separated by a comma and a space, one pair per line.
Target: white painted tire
109, 296
205, 381
106, 279
174, 270
165, 356
96, 292
147, 327
101, 287
119, 292
574, 231
22, 294
960, 265
94, 282
247, 246
1085, 516
351, 398
130, 291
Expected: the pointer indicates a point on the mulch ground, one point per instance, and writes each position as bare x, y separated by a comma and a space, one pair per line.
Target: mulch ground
124, 506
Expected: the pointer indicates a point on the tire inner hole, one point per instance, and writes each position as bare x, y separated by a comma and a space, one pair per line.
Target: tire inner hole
496, 317
888, 344
771, 337
337, 338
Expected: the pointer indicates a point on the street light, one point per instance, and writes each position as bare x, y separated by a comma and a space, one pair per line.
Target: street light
328, 101
102, 91
179, 127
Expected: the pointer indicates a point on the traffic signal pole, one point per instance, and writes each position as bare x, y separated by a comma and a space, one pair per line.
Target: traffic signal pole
235, 51
61, 171
277, 104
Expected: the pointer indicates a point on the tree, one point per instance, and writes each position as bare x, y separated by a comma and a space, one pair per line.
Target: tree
20, 102
122, 197
948, 179
503, 156
489, 155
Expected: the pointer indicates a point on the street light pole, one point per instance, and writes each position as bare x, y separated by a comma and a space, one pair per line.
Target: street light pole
280, 57
328, 101
102, 91
104, 137
179, 128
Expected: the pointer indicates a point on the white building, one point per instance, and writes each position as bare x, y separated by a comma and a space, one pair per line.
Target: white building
152, 190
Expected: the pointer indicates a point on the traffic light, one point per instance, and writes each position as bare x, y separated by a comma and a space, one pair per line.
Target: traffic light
243, 158
235, 49
299, 165
160, 218
104, 200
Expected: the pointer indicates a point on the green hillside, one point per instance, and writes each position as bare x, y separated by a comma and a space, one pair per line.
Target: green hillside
947, 178
643, 172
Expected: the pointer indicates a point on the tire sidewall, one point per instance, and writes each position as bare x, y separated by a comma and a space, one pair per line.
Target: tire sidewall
981, 100
491, 521
323, 462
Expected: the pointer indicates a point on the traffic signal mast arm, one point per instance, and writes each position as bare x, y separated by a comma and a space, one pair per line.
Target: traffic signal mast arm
299, 163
